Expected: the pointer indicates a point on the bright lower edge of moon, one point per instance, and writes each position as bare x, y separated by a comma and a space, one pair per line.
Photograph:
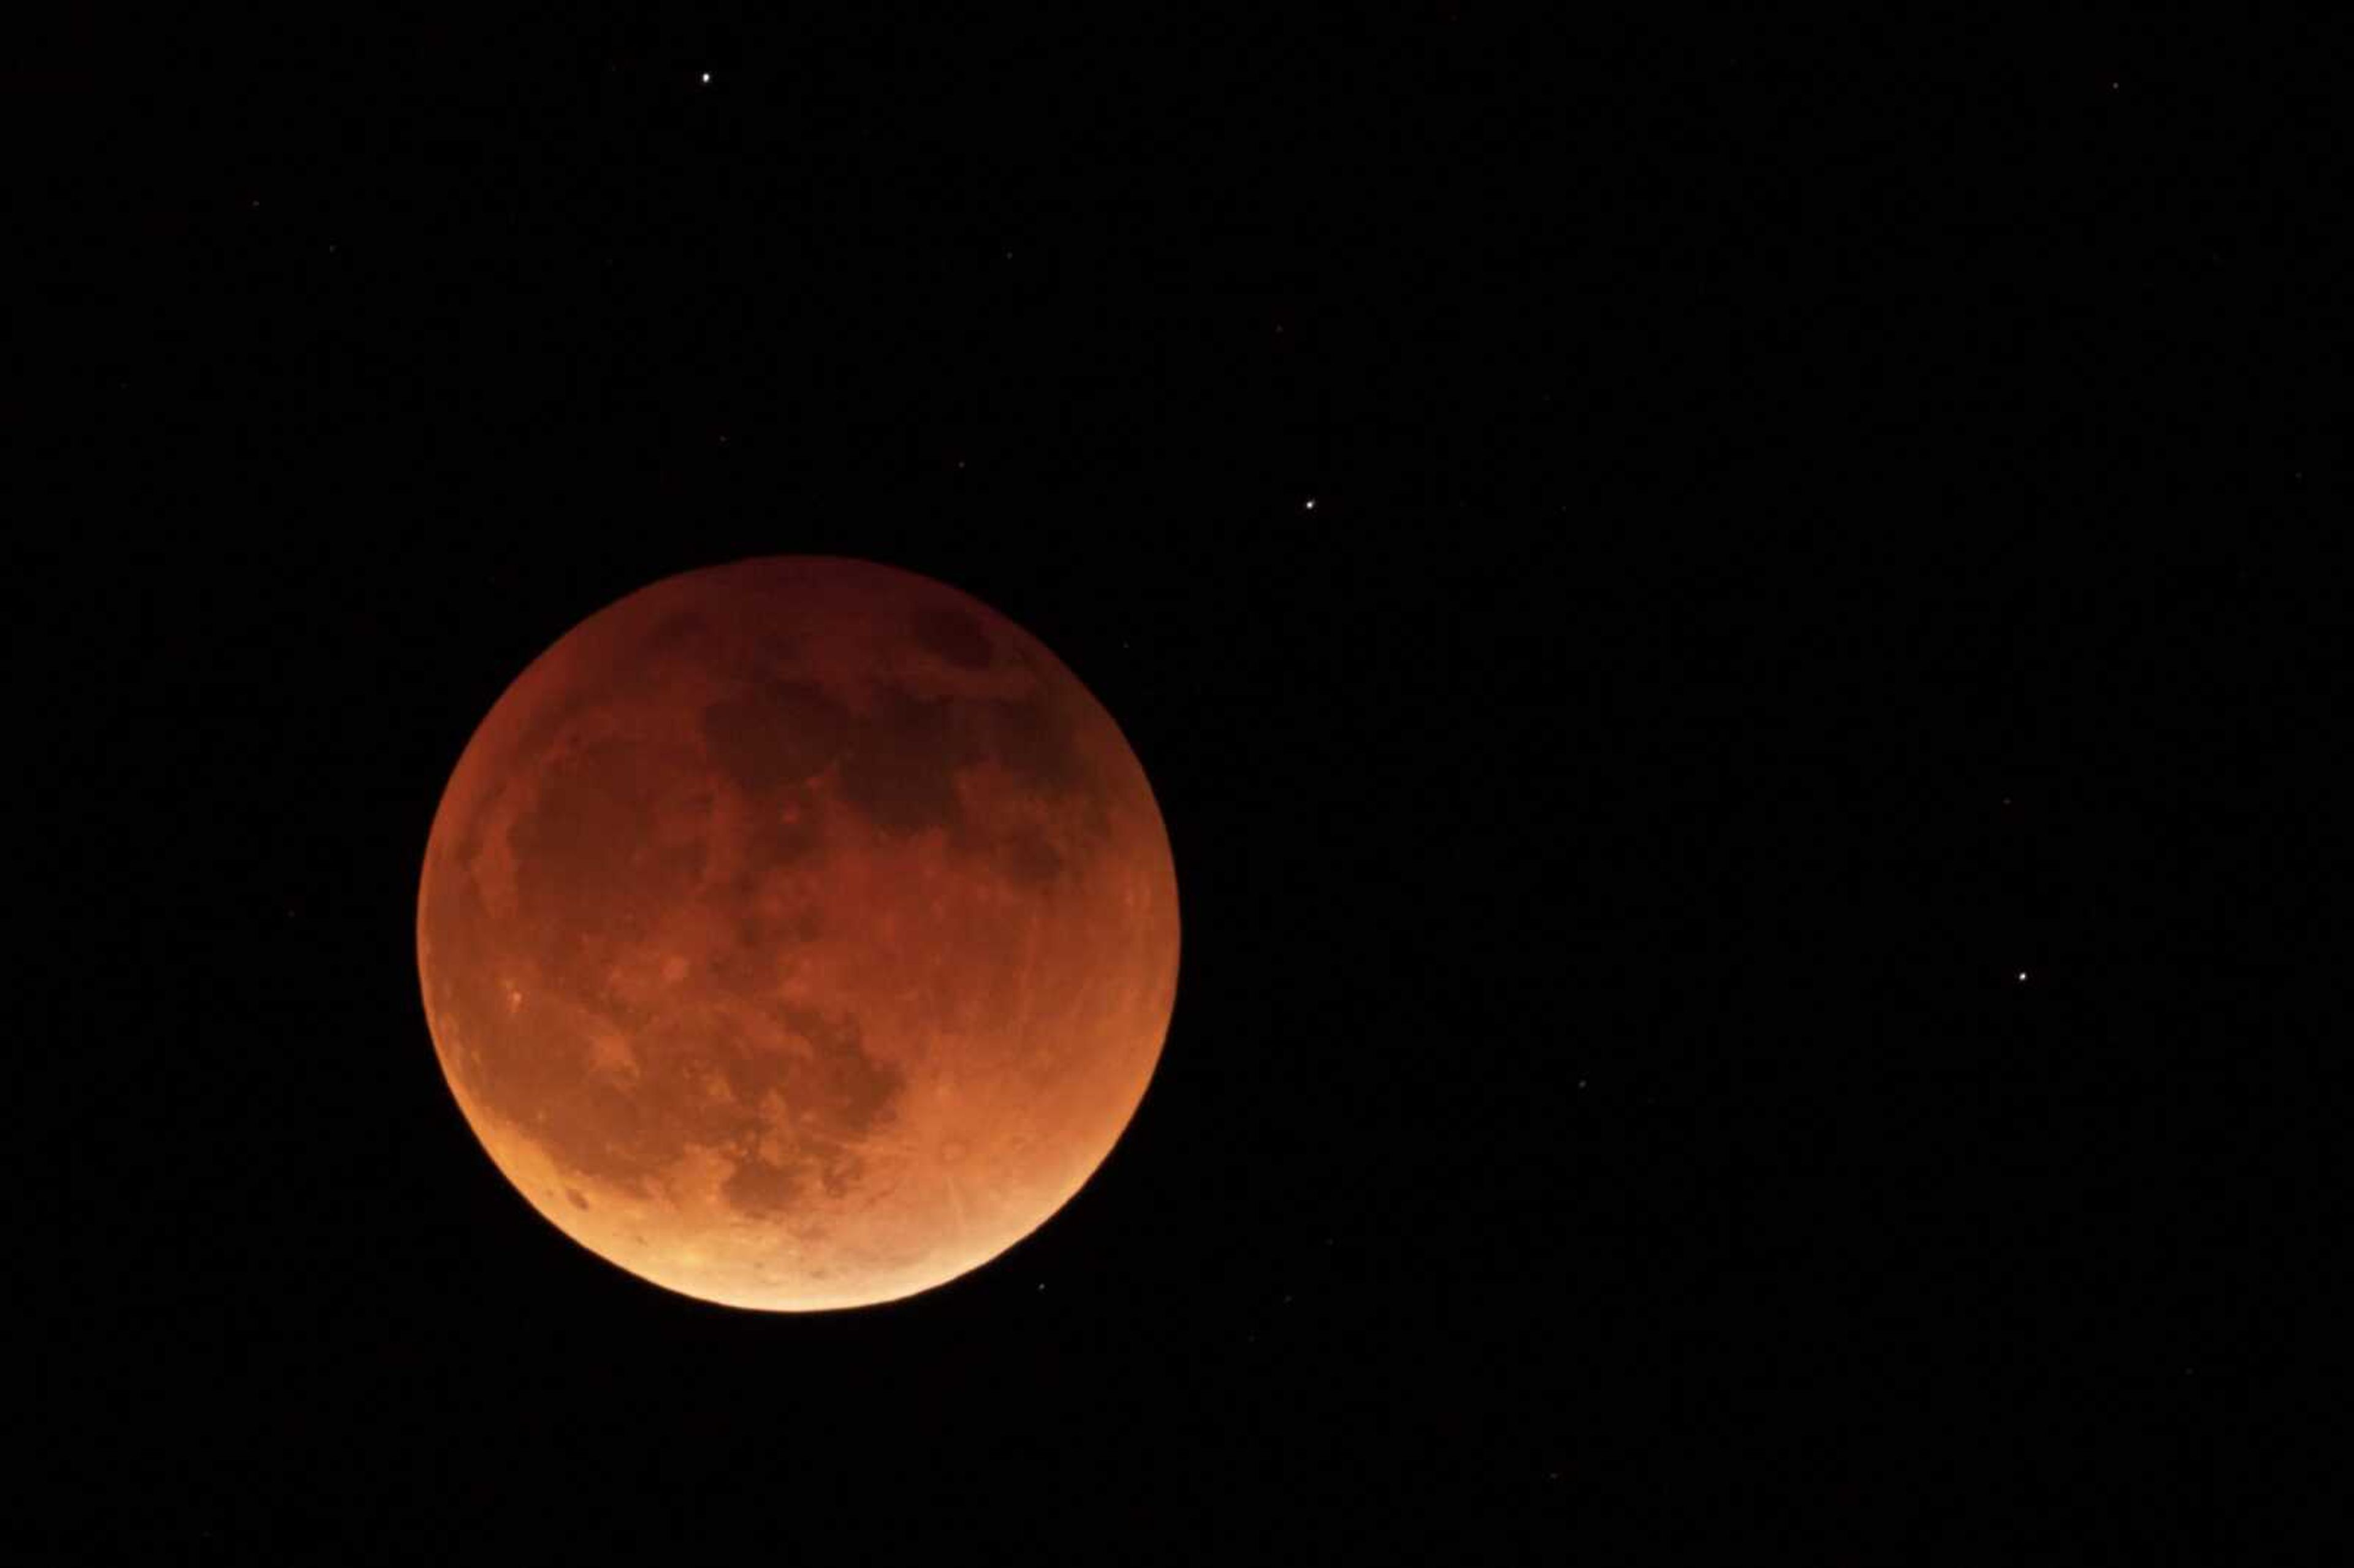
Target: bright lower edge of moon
798, 934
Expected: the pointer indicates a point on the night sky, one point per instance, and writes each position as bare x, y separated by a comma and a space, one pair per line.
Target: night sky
1729, 623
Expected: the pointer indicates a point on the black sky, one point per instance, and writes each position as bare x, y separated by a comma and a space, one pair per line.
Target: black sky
1655, 573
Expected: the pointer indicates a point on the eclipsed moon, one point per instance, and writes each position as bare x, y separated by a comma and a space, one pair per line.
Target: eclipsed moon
798, 934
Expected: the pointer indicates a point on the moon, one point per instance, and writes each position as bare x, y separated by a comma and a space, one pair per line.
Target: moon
798, 934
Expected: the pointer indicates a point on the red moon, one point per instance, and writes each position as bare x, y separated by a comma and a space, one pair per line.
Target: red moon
798, 934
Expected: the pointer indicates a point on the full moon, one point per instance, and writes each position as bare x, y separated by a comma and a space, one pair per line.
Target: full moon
798, 934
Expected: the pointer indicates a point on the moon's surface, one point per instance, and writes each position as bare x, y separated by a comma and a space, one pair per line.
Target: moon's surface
798, 934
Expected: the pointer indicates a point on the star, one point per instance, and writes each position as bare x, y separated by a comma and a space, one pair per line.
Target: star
1308, 505
706, 79
2022, 977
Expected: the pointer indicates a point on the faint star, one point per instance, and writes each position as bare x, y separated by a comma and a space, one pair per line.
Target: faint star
1308, 505
706, 79
2022, 977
